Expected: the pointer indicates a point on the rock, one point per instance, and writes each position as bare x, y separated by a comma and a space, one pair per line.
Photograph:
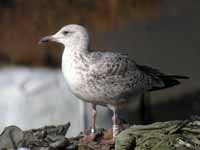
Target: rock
170, 135
161, 135
47, 137
11, 137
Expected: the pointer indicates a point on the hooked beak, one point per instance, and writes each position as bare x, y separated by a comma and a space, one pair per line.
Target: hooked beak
46, 39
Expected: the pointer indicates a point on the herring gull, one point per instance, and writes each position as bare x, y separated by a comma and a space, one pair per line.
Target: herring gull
104, 78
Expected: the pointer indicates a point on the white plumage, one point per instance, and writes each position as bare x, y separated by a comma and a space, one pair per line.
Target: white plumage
104, 78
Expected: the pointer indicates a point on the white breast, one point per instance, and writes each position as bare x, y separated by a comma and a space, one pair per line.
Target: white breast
72, 74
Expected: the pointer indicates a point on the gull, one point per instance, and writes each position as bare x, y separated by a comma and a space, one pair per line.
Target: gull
109, 79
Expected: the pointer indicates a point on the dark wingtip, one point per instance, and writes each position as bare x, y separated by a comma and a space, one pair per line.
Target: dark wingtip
177, 76
169, 81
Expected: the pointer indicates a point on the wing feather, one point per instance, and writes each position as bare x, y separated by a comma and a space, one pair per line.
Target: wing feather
111, 64
119, 71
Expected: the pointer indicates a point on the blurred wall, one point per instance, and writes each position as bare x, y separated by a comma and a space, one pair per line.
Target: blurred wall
23, 23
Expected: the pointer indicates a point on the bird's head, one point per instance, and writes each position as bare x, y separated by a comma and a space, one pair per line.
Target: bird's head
67, 34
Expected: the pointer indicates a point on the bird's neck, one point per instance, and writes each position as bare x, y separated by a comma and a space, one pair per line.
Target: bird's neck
74, 57
75, 50
77, 46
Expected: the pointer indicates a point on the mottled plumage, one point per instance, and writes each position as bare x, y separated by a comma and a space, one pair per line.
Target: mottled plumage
104, 78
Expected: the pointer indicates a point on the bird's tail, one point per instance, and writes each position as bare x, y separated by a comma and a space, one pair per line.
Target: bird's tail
168, 81
159, 79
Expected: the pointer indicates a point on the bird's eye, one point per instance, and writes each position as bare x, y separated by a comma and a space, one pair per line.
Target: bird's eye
65, 32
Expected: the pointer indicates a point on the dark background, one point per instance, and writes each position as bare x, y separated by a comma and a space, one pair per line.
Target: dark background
160, 33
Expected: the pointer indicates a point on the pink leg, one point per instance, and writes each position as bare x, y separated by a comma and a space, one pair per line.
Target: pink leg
115, 121
92, 135
114, 118
94, 114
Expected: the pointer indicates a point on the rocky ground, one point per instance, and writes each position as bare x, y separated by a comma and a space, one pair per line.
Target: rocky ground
171, 135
